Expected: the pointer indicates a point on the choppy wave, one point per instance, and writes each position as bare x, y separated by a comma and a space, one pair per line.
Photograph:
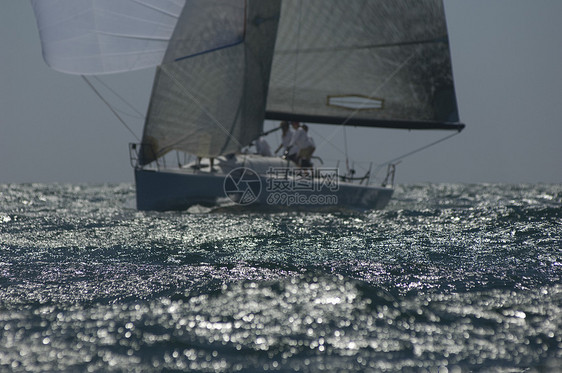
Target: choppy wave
450, 277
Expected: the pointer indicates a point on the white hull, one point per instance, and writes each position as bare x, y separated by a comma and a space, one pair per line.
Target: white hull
179, 189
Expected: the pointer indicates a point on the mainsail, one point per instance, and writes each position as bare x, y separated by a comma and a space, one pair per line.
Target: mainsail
379, 63
226, 65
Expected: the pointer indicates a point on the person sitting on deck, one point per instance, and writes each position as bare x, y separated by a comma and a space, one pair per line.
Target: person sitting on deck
262, 147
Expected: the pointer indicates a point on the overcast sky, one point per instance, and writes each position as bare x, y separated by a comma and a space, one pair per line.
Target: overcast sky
507, 61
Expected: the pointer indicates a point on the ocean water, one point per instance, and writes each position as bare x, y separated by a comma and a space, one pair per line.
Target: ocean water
448, 278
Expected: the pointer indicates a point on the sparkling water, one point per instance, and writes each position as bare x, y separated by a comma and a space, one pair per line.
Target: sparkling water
448, 278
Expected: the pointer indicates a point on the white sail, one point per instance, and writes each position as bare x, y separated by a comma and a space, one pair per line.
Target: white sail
213, 103
359, 61
105, 36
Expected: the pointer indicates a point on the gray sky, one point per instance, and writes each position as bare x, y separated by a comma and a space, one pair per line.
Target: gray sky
507, 61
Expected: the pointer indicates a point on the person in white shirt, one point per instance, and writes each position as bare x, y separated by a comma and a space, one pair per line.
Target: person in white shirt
286, 137
308, 147
299, 137
302, 144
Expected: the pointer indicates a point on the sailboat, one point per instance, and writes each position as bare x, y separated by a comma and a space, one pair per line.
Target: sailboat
224, 67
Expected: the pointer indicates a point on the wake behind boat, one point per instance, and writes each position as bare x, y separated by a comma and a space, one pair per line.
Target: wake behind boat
223, 68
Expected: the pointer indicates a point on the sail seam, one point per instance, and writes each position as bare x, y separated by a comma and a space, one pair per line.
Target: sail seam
162, 11
135, 37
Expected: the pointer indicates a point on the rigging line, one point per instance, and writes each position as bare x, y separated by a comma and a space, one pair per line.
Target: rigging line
414, 152
141, 115
326, 141
110, 107
345, 148
295, 73
192, 97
